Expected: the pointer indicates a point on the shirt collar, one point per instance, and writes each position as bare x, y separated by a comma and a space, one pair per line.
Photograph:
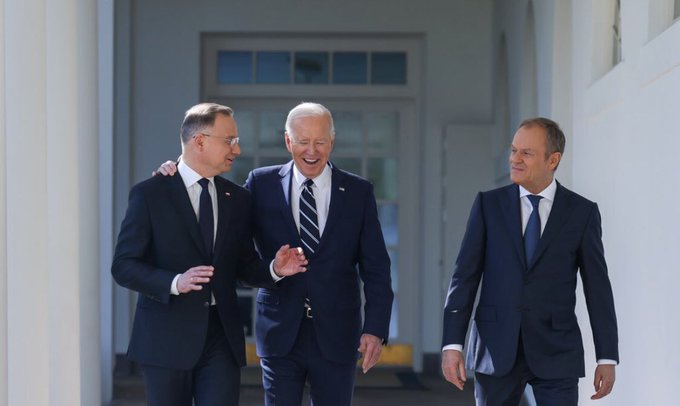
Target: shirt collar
189, 176
547, 193
321, 181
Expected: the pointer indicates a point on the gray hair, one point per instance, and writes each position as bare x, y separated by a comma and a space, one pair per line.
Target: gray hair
308, 110
553, 132
200, 117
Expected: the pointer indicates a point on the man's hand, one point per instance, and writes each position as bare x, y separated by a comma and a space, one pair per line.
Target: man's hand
166, 169
289, 261
370, 347
605, 375
453, 366
194, 278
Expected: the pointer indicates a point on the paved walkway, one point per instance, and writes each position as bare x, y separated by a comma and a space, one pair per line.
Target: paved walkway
378, 390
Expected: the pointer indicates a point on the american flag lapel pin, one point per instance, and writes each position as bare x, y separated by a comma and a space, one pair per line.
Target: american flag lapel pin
342, 189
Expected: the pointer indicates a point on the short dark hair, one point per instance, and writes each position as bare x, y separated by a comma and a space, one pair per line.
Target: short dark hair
201, 116
553, 132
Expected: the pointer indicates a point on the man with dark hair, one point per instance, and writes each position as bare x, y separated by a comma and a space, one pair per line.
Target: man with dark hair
183, 244
525, 244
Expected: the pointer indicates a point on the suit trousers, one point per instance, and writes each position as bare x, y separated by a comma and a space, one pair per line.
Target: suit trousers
507, 390
284, 378
214, 381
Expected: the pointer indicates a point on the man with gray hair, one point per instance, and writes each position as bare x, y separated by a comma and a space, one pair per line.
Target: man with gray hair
309, 327
184, 243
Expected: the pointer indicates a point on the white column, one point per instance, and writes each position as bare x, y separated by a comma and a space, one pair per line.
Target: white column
51, 155
3, 220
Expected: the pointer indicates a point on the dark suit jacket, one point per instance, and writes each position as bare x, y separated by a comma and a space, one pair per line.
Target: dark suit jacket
537, 299
160, 238
350, 248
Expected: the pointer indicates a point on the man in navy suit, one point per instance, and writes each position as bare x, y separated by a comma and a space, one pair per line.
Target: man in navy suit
309, 326
526, 242
183, 244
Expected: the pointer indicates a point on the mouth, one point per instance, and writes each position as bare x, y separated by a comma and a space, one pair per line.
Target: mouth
310, 161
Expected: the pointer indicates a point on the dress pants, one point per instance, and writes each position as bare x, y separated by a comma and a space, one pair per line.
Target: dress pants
283, 378
507, 390
214, 381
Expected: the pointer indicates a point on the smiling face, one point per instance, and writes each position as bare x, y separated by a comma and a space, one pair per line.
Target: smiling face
530, 164
310, 142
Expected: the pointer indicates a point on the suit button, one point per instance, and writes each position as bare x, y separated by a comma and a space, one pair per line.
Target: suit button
206, 304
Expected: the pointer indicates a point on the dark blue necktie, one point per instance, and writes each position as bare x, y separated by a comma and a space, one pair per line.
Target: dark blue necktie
533, 231
206, 222
309, 223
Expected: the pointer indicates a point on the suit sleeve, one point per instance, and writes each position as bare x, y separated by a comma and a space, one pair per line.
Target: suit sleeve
131, 266
252, 270
374, 269
466, 276
597, 289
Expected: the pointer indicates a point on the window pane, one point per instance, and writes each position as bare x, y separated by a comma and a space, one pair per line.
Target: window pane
311, 67
234, 67
382, 130
246, 131
347, 131
272, 128
350, 68
383, 173
239, 172
388, 68
348, 164
389, 220
273, 67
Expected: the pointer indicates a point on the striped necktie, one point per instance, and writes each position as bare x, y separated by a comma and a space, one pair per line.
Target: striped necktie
309, 224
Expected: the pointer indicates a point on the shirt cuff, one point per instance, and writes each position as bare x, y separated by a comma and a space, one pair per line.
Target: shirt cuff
605, 361
457, 347
275, 277
173, 286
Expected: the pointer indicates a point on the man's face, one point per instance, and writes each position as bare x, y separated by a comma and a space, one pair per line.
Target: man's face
529, 165
310, 144
217, 154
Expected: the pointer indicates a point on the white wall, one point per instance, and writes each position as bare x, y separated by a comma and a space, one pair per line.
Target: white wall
626, 138
159, 76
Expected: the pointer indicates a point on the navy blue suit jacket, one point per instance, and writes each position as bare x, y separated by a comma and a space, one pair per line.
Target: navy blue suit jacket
160, 238
351, 248
538, 298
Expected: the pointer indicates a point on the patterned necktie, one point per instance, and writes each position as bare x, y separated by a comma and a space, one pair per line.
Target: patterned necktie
206, 222
532, 234
309, 224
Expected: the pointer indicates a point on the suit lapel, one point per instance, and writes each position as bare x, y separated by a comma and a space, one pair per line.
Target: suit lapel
558, 216
180, 199
224, 210
283, 200
338, 199
513, 220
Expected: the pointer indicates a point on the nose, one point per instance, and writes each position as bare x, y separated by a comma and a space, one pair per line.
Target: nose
236, 149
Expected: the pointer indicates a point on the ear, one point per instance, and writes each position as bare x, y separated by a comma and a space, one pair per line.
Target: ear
199, 140
554, 160
289, 142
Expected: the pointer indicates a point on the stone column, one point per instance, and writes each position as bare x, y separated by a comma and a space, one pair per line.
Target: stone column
51, 203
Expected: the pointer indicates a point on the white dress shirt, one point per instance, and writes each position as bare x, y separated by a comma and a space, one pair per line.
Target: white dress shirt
190, 179
544, 208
